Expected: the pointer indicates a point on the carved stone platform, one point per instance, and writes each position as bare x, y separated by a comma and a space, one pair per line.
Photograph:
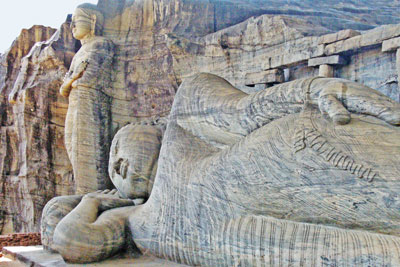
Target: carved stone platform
36, 256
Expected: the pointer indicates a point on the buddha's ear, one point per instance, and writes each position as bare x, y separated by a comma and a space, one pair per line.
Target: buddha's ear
93, 19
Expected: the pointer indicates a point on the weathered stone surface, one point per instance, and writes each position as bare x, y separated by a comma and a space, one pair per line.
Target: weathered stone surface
88, 86
37, 256
330, 14
132, 168
134, 158
285, 42
34, 164
144, 75
398, 65
260, 162
370, 38
160, 226
331, 60
326, 71
148, 66
391, 44
338, 36
367, 65
373, 68
268, 76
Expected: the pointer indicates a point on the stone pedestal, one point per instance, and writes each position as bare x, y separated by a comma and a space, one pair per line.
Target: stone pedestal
391, 44
325, 71
398, 65
37, 256
272, 76
326, 64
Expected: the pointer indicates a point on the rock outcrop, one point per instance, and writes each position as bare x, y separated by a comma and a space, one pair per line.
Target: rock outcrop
292, 52
254, 44
33, 161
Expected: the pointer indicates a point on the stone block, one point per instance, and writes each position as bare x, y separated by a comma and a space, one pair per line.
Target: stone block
264, 77
391, 44
338, 36
398, 62
37, 256
369, 38
326, 71
297, 51
320, 50
331, 60
265, 64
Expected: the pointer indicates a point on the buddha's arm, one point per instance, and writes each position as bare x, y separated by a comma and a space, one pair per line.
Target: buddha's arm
54, 211
209, 106
89, 65
209, 102
83, 236
337, 98
72, 76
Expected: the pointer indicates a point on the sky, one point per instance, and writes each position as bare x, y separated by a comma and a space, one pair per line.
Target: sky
16, 15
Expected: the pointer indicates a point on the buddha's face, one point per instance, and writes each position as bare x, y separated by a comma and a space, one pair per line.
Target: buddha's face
133, 160
126, 176
81, 24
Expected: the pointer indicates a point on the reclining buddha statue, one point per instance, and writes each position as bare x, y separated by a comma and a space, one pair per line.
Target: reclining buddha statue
304, 173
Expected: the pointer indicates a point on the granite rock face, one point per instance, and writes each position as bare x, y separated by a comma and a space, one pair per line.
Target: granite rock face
288, 48
33, 161
158, 44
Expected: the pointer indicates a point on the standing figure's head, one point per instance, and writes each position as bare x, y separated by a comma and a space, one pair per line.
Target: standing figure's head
87, 21
133, 160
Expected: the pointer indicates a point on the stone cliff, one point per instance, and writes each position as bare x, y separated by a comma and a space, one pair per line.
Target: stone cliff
33, 161
253, 44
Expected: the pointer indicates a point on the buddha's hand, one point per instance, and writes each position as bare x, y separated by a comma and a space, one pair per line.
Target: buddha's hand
338, 98
109, 199
65, 90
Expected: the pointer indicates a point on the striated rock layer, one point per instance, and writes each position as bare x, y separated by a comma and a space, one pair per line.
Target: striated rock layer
159, 43
33, 162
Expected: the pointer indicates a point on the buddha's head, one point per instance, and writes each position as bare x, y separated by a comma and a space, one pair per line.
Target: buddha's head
87, 21
133, 160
